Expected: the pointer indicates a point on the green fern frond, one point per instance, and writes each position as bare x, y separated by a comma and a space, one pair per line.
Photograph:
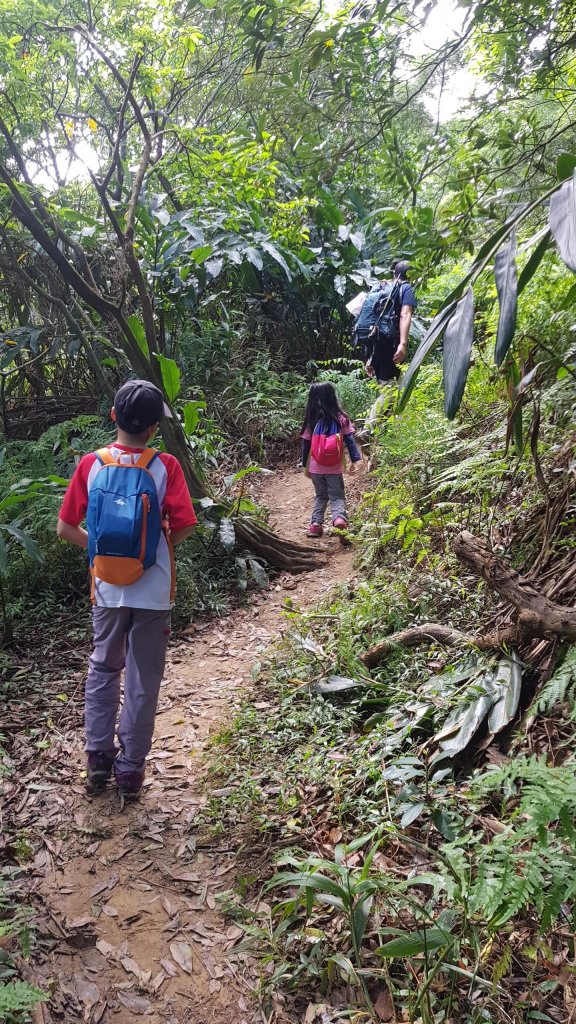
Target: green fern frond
17, 996
560, 687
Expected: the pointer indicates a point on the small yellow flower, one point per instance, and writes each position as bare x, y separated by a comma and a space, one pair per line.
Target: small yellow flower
92, 124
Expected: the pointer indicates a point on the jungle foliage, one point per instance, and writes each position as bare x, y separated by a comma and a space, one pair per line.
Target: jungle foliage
192, 193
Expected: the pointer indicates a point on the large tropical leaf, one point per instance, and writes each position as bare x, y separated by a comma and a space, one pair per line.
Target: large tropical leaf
170, 376
227, 534
486, 253
415, 943
508, 681
457, 347
436, 329
463, 723
507, 288
24, 539
563, 221
534, 262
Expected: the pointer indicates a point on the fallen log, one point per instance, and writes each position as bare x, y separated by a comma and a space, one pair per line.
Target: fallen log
537, 614
427, 632
435, 632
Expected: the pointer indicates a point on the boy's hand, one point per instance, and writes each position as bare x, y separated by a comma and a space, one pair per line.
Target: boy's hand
352, 468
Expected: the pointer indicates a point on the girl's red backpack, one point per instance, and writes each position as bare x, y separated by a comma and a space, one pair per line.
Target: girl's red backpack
327, 443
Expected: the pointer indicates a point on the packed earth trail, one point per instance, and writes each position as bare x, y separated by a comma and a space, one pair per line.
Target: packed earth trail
130, 895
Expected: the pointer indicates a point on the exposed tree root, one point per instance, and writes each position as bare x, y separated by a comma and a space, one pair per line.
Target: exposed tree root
435, 632
278, 551
537, 614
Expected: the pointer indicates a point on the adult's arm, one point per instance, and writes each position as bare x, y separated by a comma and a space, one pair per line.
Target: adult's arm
405, 321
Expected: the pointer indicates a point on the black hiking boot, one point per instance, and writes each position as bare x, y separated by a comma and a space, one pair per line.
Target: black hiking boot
98, 770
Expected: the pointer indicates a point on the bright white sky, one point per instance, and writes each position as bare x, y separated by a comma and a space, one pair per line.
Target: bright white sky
444, 23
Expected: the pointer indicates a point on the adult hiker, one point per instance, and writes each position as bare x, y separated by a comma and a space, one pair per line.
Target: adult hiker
136, 504
383, 324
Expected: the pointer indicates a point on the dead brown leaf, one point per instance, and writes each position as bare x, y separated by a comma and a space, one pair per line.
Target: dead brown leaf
182, 954
136, 1004
384, 1006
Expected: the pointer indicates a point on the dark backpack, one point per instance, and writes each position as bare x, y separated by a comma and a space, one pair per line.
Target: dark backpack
380, 313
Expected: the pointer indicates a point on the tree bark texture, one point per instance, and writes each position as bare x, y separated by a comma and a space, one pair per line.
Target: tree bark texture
537, 614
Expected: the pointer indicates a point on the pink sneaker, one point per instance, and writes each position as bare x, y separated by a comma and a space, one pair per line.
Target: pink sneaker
340, 523
315, 530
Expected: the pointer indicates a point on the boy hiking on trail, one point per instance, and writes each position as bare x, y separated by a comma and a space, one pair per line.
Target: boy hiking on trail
137, 505
326, 430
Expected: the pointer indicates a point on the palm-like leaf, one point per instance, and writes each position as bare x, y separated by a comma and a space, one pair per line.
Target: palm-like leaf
563, 221
457, 347
507, 288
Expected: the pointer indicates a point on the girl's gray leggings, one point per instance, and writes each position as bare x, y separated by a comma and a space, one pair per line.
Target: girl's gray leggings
329, 487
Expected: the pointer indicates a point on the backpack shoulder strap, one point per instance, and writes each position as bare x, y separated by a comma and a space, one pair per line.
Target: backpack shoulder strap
146, 458
395, 291
104, 455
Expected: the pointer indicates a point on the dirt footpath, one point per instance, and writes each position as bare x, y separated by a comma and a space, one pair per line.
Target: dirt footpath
129, 897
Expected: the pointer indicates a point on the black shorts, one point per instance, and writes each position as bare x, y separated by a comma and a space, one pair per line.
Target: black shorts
383, 362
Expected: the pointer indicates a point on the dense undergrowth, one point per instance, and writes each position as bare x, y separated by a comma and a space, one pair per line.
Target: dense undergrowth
416, 820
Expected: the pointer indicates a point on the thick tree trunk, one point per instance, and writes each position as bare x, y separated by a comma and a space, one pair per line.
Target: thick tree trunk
537, 614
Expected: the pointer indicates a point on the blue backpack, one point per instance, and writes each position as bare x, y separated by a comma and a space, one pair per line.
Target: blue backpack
124, 519
380, 312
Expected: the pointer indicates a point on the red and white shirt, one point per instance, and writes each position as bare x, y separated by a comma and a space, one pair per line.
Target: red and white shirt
154, 588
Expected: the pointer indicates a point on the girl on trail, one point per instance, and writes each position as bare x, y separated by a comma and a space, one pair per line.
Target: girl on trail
327, 428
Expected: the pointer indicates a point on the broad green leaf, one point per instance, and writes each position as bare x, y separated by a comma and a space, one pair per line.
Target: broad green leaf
234, 478
360, 917
255, 257
507, 288
414, 943
563, 221
458, 339
463, 723
214, 267
227, 534
29, 545
201, 253
137, 328
192, 412
530, 268
345, 965
411, 814
170, 376
273, 252
315, 882
565, 166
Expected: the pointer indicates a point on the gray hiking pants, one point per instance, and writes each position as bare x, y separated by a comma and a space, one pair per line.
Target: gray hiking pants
134, 639
329, 487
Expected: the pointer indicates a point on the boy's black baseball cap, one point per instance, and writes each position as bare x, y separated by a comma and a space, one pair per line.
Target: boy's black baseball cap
139, 404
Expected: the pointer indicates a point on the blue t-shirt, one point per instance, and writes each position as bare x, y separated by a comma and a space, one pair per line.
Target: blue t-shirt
407, 295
